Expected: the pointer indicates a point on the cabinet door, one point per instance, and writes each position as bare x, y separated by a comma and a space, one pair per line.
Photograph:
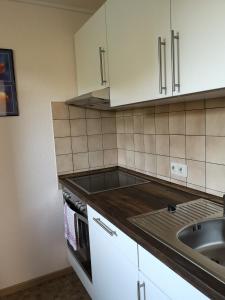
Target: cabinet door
91, 54
201, 28
148, 291
133, 29
114, 276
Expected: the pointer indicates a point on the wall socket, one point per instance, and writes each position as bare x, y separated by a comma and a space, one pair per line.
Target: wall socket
178, 169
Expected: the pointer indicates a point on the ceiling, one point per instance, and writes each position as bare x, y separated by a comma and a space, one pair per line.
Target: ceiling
86, 6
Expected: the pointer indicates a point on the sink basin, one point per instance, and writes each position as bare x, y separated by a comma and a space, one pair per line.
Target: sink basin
208, 238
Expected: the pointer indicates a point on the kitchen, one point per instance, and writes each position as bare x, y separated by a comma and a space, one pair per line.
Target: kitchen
142, 142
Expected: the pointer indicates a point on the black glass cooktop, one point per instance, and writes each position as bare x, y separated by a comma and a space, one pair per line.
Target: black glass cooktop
105, 181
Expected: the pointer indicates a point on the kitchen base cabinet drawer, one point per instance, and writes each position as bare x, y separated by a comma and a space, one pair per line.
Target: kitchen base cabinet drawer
121, 241
165, 279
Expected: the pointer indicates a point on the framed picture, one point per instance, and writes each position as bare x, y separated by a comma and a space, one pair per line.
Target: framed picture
8, 95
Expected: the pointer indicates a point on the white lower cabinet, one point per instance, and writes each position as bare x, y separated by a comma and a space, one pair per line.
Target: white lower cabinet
173, 285
114, 274
123, 270
148, 291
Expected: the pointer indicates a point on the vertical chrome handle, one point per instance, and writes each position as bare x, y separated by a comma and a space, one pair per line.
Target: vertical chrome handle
139, 286
102, 69
161, 86
105, 227
177, 38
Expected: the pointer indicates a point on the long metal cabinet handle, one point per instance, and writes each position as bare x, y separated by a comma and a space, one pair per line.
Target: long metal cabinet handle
101, 54
161, 86
105, 227
177, 38
139, 286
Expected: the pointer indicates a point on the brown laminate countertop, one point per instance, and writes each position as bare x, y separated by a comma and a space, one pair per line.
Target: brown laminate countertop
119, 204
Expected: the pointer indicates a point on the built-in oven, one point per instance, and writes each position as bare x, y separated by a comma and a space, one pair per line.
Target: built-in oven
82, 251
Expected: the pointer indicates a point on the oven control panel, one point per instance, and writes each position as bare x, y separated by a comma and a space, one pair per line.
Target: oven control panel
79, 204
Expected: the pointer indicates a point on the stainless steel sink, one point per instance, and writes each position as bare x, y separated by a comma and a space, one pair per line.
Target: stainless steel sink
208, 238
195, 230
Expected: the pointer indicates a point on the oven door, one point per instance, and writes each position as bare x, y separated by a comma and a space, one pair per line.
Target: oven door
82, 252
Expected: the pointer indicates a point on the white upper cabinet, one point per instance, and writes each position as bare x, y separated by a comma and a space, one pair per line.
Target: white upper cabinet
139, 64
91, 54
201, 28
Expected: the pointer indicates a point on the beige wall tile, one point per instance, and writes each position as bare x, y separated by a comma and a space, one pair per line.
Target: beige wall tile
176, 107
163, 145
121, 157
129, 141
94, 126
60, 111
129, 124
78, 127
195, 147
215, 122
130, 159
162, 123
195, 122
196, 187
80, 161
139, 124
96, 159
108, 114
139, 142
217, 102
139, 159
150, 143
119, 113
183, 183
77, 112
163, 166
95, 142
162, 108
163, 178
138, 111
150, 163
108, 125
121, 140
198, 104
149, 124
177, 146
63, 145
79, 144
92, 114
110, 157
64, 163
109, 141
128, 112
177, 122
216, 193
215, 175
120, 125
196, 172
61, 128
149, 110
215, 149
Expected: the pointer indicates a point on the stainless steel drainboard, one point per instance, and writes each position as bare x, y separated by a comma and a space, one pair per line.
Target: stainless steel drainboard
165, 226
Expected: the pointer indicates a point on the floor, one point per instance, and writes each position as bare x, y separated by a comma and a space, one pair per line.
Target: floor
67, 287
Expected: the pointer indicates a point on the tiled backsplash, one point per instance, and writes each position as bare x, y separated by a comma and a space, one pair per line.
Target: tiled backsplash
84, 139
147, 140
191, 133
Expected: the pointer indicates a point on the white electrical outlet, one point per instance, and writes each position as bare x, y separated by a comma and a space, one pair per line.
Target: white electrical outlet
178, 169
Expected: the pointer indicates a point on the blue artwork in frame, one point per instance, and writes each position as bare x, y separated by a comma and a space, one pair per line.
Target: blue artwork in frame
8, 95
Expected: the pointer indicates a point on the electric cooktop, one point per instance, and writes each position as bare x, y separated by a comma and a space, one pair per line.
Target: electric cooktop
104, 181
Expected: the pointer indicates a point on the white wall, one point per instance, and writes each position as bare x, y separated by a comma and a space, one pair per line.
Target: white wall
31, 217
